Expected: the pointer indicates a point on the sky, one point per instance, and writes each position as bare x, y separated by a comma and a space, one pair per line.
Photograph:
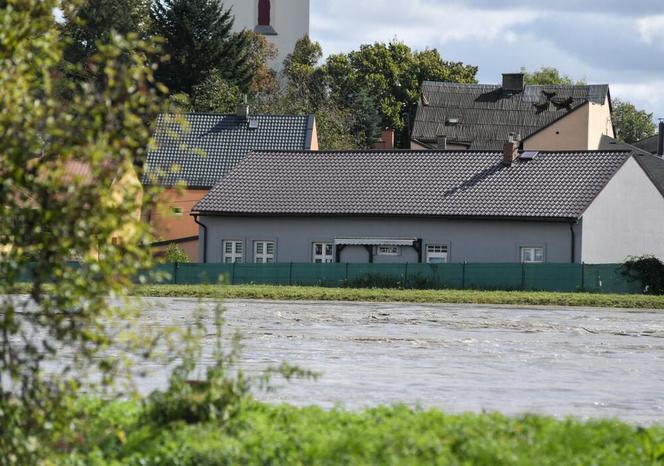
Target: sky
619, 42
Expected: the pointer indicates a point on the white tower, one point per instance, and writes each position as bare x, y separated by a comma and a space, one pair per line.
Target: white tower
282, 22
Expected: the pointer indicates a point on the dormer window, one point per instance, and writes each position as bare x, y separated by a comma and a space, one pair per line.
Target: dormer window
265, 18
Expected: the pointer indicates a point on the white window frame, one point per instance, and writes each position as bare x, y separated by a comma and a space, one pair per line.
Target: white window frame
262, 254
438, 251
388, 250
528, 254
323, 257
235, 255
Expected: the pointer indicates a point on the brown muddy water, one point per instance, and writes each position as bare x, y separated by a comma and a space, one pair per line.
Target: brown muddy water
587, 363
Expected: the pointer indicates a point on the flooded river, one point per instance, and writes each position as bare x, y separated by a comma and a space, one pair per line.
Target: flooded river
580, 362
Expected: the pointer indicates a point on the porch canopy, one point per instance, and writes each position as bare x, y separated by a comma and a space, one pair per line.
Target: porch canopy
375, 241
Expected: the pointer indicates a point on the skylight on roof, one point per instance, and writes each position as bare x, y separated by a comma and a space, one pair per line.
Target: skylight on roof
529, 155
253, 124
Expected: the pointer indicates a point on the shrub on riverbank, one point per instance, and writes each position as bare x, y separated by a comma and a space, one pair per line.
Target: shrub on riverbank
275, 435
519, 298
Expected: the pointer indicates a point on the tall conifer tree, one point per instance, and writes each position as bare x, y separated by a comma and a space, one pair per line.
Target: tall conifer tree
199, 39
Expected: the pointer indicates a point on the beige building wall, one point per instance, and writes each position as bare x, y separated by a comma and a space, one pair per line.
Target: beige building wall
599, 124
314, 137
568, 133
580, 130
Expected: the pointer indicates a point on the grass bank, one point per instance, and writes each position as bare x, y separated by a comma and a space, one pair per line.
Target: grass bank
296, 293
117, 434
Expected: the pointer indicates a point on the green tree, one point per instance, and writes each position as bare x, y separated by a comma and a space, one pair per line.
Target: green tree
175, 254
303, 91
630, 123
198, 38
93, 22
392, 75
60, 162
548, 75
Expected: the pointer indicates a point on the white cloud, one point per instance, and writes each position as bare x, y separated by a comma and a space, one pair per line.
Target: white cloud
652, 29
344, 24
648, 95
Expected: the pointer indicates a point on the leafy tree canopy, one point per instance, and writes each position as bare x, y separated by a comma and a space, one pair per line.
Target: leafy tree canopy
549, 75
392, 74
631, 124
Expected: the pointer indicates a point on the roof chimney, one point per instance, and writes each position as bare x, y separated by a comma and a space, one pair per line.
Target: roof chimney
243, 108
511, 150
660, 145
442, 142
513, 82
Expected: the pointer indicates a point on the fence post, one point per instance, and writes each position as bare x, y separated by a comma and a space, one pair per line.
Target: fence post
523, 276
175, 273
233, 273
405, 276
290, 274
583, 276
463, 276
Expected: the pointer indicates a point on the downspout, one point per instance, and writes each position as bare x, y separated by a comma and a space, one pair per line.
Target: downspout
572, 224
205, 231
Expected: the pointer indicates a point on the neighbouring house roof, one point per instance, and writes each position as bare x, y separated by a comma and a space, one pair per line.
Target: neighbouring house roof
212, 145
481, 117
652, 164
650, 144
554, 185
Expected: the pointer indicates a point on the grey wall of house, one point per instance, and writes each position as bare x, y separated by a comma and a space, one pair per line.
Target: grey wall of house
626, 219
468, 240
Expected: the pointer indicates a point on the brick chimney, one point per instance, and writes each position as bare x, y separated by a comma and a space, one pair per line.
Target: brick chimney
243, 108
660, 139
386, 141
442, 142
510, 150
513, 82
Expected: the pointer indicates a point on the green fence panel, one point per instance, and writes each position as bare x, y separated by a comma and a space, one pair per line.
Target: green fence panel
607, 278
494, 276
435, 276
207, 274
553, 277
317, 274
375, 275
261, 274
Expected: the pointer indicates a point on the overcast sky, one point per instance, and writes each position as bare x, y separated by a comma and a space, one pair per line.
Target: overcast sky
620, 42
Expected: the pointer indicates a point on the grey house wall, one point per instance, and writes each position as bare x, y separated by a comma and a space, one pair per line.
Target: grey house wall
626, 219
468, 240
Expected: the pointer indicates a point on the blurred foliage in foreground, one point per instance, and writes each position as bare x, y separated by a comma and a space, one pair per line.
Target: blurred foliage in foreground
277, 435
70, 153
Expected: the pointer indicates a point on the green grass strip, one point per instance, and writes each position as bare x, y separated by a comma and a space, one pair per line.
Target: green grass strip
296, 293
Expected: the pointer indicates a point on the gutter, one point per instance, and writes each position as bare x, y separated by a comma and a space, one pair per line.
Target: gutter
205, 237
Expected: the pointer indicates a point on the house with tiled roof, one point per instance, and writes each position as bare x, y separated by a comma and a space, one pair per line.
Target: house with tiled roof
541, 117
653, 144
433, 206
194, 151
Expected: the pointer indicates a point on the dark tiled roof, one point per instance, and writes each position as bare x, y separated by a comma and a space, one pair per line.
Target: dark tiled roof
487, 115
650, 144
413, 183
651, 164
214, 144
